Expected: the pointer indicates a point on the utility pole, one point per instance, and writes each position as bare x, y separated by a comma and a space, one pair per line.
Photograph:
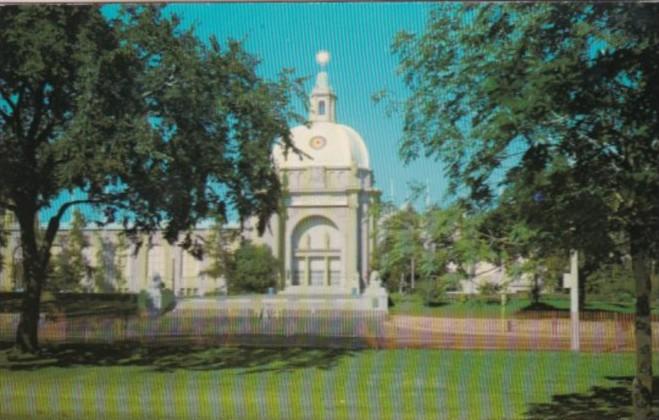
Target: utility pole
571, 281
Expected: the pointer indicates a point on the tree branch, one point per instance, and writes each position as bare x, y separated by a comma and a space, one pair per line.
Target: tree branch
38, 105
6, 98
4, 116
8, 206
54, 222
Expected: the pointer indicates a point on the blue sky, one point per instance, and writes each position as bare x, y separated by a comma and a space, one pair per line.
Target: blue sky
358, 37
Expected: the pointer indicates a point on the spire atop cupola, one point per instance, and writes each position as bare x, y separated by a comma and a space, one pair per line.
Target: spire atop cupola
323, 99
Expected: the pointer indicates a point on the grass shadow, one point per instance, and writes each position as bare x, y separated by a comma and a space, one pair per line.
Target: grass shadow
589, 307
437, 304
542, 306
614, 402
168, 358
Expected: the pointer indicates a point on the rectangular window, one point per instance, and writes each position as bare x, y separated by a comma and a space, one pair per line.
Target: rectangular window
298, 271
317, 274
334, 271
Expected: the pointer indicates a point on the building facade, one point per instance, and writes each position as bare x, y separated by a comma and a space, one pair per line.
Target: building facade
127, 268
324, 236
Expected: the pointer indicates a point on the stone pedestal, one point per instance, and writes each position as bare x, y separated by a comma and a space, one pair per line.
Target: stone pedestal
375, 294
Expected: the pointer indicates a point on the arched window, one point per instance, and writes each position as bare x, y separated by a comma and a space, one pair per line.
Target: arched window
321, 108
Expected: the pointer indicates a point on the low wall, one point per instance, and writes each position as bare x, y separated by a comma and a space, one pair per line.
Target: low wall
514, 334
204, 325
274, 304
333, 328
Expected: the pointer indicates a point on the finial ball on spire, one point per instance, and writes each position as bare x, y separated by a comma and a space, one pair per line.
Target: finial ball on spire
322, 57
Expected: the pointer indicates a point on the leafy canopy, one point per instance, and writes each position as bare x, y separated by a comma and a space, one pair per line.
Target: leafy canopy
559, 100
153, 126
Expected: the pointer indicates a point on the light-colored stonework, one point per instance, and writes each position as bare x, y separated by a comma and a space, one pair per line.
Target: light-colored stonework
324, 236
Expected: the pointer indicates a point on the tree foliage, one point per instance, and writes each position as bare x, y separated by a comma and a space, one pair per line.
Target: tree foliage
107, 272
253, 269
400, 245
559, 102
454, 234
71, 268
218, 250
441, 244
134, 116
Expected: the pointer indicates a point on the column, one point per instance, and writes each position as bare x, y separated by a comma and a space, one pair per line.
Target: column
6, 253
307, 272
168, 273
326, 277
177, 277
352, 246
6, 273
143, 265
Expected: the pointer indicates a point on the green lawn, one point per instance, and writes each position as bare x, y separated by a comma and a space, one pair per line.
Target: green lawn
412, 304
239, 383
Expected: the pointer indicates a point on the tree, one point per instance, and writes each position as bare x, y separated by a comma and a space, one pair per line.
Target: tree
217, 250
454, 238
134, 116
400, 247
253, 270
107, 273
525, 237
71, 268
559, 100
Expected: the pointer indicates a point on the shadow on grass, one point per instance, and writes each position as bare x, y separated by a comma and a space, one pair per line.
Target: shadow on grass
599, 403
437, 304
590, 307
542, 306
172, 357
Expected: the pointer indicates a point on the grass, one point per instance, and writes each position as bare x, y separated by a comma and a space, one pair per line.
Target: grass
478, 307
292, 383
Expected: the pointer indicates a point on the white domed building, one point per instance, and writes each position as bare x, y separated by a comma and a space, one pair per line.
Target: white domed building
324, 234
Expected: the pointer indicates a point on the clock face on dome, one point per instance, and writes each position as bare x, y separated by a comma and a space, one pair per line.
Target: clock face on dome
317, 142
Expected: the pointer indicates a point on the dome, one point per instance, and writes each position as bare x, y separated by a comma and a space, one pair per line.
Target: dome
325, 144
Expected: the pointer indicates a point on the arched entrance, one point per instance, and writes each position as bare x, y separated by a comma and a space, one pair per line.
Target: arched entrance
316, 253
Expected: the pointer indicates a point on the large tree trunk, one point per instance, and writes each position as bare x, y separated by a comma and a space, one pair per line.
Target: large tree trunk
642, 385
26, 333
33, 278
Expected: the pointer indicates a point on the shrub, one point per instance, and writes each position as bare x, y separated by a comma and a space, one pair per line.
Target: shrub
489, 290
434, 292
253, 269
144, 302
168, 301
215, 292
611, 282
